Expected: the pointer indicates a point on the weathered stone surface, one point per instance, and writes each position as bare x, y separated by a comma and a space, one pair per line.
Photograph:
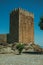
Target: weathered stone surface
21, 27
3, 37
26, 27
6, 50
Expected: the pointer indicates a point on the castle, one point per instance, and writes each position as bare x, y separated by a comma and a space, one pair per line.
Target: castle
21, 27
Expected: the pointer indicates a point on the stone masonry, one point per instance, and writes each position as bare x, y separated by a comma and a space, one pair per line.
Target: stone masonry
21, 26
3, 37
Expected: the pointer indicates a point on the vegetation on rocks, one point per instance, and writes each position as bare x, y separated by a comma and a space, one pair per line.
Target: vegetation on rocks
20, 47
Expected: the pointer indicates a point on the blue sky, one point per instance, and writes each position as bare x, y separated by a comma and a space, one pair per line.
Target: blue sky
34, 6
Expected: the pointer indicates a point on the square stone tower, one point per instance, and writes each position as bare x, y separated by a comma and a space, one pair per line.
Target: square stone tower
21, 26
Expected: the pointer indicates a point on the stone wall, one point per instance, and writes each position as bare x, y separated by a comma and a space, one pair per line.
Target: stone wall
3, 37
26, 27
14, 26
21, 26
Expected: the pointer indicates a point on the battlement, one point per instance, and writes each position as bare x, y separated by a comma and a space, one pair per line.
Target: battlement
25, 12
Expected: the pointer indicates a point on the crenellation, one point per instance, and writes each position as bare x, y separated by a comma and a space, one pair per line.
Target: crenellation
26, 13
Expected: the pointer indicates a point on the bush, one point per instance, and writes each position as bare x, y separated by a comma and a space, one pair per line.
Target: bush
20, 47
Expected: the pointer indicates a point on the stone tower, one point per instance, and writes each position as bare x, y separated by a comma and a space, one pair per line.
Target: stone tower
21, 26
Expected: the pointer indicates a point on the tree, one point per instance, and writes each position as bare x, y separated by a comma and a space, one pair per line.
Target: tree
20, 47
41, 23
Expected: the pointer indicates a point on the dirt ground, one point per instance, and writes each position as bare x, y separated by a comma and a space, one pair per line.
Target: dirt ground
23, 59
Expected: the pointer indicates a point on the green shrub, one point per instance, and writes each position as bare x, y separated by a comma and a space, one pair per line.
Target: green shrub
20, 47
